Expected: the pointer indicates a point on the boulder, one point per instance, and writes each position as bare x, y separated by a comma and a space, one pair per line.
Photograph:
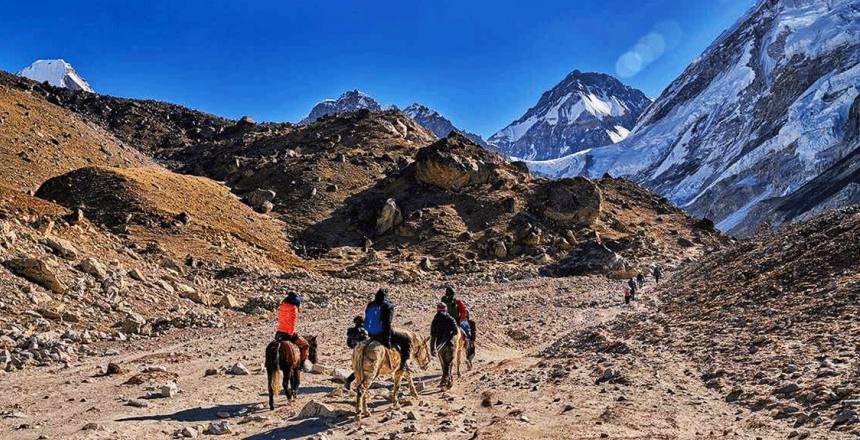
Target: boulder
500, 250
591, 258
93, 267
570, 202
133, 323
456, 162
229, 301
260, 199
218, 428
188, 292
169, 390
63, 248
238, 370
38, 271
314, 409
136, 274
389, 217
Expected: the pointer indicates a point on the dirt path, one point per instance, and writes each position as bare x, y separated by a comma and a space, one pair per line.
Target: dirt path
531, 391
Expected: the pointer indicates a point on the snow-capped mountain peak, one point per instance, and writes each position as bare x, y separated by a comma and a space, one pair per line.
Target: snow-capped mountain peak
584, 110
439, 125
57, 73
756, 130
349, 101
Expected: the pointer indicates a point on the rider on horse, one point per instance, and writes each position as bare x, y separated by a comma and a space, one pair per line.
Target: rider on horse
354, 336
288, 316
459, 310
377, 321
442, 329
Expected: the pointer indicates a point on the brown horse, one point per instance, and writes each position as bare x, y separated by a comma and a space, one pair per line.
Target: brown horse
371, 359
283, 367
451, 353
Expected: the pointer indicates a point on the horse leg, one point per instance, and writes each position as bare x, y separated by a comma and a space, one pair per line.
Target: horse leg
269, 374
288, 371
364, 411
412, 391
296, 381
457, 360
395, 390
358, 393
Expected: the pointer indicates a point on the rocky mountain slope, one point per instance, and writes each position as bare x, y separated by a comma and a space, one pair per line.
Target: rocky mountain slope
770, 107
57, 73
349, 101
774, 321
585, 110
439, 125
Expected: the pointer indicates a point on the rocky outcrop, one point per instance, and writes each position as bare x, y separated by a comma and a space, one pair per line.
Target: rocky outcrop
455, 162
591, 258
39, 271
389, 217
571, 202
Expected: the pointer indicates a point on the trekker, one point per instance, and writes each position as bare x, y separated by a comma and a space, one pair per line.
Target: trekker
354, 336
377, 321
632, 284
657, 274
627, 295
288, 316
442, 329
450, 301
640, 279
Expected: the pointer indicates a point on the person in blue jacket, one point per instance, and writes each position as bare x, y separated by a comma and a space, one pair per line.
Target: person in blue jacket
377, 321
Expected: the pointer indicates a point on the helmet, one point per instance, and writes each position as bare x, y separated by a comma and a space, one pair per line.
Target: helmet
441, 307
293, 298
381, 295
449, 291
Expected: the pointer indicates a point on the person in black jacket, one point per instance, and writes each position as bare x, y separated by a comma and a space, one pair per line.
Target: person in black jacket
388, 337
354, 336
633, 287
442, 329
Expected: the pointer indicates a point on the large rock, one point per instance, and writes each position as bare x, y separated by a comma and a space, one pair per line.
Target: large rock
38, 271
389, 217
62, 248
591, 258
569, 202
314, 409
93, 267
260, 199
456, 162
133, 323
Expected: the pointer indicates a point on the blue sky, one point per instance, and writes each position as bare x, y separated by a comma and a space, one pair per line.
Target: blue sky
481, 63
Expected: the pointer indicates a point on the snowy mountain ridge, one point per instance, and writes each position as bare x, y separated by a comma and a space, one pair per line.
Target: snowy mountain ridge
57, 73
765, 111
584, 110
439, 125
349, 101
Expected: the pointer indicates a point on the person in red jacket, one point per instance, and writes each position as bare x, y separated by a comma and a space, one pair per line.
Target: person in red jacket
288, 316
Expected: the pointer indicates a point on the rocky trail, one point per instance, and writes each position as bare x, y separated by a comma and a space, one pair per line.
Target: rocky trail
545, 369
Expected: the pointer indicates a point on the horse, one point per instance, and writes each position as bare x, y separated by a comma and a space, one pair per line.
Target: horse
451, 353
371, 359
284, 369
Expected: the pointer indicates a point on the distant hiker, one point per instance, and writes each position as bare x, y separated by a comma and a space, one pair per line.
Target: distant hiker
450, 301
459, 310
288, 316
442, 329
632, 285
377, 321
657, 274
640, 279
354, 336
627, 295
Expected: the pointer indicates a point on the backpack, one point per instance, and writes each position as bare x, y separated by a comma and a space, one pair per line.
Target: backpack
463, 309
373, 319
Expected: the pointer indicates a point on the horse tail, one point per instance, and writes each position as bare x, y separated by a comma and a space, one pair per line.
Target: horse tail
273, 366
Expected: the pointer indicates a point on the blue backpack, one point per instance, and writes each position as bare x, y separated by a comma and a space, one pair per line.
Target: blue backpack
373, 319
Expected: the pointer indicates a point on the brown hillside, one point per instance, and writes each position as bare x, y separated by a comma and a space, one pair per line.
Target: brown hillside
39, 140
190, 215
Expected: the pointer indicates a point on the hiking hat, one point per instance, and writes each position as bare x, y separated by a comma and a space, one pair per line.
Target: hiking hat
293, 298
